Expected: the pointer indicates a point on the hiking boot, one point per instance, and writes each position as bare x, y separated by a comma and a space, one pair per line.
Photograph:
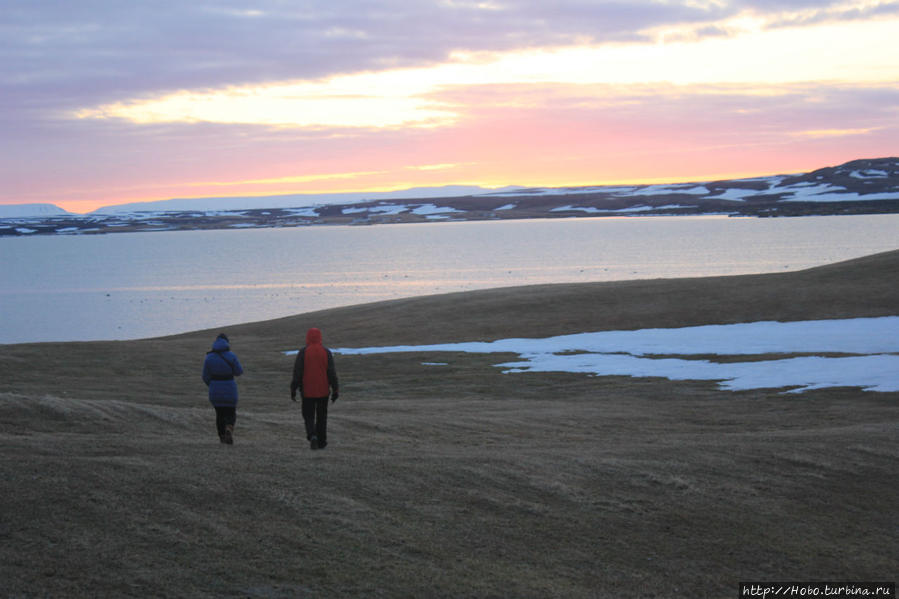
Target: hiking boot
313, 443
228, 437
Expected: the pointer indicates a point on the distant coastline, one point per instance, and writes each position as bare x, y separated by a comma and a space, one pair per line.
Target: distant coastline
869, 186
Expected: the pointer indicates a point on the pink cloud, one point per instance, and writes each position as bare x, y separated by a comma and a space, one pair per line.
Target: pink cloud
523, 134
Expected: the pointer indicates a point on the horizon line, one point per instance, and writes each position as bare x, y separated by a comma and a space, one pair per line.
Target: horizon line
411, 187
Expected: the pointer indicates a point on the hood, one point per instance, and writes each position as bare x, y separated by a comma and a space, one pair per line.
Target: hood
313, 337
221, 344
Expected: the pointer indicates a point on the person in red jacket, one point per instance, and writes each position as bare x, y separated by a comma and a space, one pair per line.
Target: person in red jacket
316, 378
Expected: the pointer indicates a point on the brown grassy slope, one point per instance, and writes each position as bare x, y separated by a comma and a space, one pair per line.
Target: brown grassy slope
454, 481
862, 287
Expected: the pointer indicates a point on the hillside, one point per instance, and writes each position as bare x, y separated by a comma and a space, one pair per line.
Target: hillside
455, 480
869, 186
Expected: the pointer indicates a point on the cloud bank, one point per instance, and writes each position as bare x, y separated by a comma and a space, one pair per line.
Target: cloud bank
141, 100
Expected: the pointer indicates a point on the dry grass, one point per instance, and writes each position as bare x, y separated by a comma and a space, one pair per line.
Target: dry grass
450, 481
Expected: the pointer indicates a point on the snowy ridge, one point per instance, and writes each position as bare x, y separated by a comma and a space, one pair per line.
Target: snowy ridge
859, 187
31, 210
849, 182
285, 201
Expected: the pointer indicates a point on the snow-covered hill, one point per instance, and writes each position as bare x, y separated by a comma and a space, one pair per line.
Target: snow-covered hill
31, 210
868, 186
289, 201
859, 180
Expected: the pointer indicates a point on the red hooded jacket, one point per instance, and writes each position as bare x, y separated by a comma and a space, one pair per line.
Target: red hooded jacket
313, 372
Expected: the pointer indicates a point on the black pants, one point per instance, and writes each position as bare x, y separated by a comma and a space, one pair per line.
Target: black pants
315, 415
224, 415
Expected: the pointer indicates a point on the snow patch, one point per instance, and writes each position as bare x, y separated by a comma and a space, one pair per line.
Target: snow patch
670, 189
639, 208
389, 209
431, 209
570, 208
869, 174
561, 191
736, 195
843, 197
310, 212
874, 343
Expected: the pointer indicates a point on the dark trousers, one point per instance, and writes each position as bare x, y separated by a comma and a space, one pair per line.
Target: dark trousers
315, 415
224, 415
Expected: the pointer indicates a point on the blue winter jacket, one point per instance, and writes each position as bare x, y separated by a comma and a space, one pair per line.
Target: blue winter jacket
219, 370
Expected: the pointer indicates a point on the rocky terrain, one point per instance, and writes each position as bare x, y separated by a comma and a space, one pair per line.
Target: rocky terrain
869, 186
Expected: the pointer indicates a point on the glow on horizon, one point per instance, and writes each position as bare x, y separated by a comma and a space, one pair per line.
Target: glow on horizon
832, 132
390, 182
411, 97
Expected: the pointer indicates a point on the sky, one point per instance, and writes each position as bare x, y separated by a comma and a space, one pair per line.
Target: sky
105, 102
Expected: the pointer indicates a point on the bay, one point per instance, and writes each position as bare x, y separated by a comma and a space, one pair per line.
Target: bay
134, 285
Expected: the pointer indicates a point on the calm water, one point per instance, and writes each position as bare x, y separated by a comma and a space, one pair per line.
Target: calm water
132, 285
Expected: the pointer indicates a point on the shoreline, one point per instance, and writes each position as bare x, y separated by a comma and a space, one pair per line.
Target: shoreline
277, 218
511, 288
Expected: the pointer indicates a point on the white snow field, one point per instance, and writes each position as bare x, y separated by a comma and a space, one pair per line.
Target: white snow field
871, 345
432, 210
31, 211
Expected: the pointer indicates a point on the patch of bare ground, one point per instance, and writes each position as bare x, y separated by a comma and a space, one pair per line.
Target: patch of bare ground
452, 480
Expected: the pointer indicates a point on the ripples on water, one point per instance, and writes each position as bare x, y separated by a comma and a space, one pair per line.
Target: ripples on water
132, 285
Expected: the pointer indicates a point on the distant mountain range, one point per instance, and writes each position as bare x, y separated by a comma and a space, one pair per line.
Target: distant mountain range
869, 186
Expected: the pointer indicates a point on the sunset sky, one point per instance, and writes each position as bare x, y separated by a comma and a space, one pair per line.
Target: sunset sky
105, 102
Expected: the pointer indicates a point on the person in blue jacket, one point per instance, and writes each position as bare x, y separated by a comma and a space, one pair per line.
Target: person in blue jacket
219, 370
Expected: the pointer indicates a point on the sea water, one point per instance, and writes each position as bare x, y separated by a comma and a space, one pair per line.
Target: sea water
134, 285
